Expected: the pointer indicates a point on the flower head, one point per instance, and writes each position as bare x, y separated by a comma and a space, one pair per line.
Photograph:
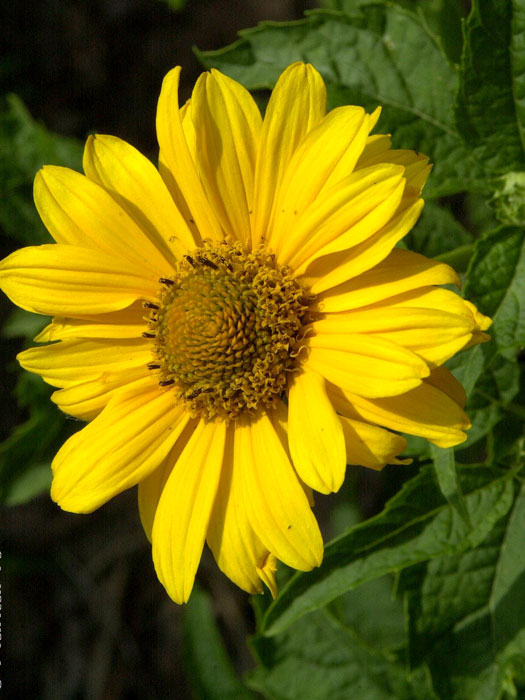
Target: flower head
238, 326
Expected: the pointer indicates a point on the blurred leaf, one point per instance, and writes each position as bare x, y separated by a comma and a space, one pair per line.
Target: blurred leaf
416, 525
175, 5
479, 216
320, 658
208, 664
25, 146
32, 482
30, 444
33, 443
466, 611
490, 110
383, 56
24, 324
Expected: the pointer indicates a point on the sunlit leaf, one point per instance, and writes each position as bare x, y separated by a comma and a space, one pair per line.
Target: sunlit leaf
416, 525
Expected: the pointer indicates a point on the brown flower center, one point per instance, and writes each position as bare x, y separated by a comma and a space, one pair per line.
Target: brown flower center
227, 328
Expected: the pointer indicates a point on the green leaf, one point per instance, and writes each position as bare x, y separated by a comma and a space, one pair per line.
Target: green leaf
384, 56
25, 146
373, 614
508, 587
320, 658
441, 17
508, 199
496, 284
444, 19
445, 467
416, 525
506, 440
467, 367
208, 664
487, 113
467, 617
517, 63
497, 383
436, 232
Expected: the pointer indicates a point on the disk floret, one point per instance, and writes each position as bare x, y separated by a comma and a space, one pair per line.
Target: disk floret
226, 329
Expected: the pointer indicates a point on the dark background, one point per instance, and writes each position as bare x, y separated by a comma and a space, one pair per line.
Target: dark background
82, 611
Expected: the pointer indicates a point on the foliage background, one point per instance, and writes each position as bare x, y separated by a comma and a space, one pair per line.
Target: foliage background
423, 597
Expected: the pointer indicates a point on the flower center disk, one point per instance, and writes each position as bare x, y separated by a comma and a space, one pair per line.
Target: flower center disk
227, 329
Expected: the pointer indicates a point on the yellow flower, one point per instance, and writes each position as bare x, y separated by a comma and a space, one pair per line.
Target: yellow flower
240, 326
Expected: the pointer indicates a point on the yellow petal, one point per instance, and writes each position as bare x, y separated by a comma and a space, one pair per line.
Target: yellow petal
63, 280
189, 129
150, 489
276, 504
136, 185
238, 551
366, 365
125, 443
128, 323
176, 157
167, 176
227, 123
341, 210
350, 156
267, 573
433, 334
370, 446
375, 144
416, 165
279, 419
400, 272
380, 212
331, 270
79, 212
343, 129
87, 399
483, 322
425, 411
184, 509
431, 298
179, 200
72, 361
297, 104
374, 118
445, 381
315, 434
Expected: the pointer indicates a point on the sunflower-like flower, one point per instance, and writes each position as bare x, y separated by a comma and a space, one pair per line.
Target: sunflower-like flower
238, 326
